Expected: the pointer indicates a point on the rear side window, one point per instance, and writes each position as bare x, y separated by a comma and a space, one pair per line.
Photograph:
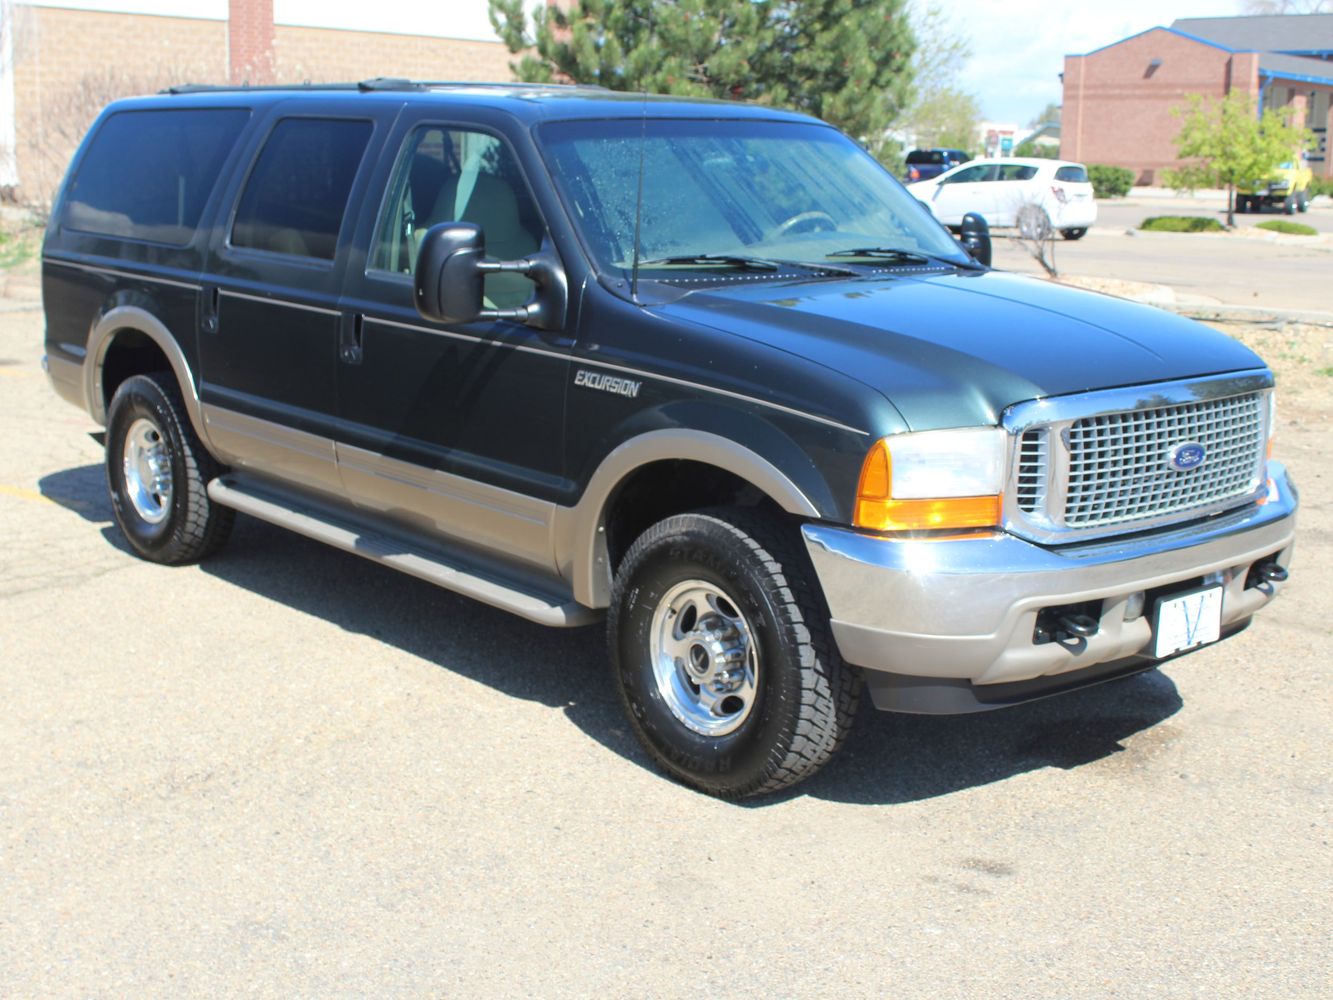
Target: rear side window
934, 156
147, 174
1074, 175
1017, 172
296, 196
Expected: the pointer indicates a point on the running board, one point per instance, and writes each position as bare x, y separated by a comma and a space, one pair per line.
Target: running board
399, 553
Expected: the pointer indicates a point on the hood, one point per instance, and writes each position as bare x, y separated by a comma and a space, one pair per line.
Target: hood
955, 349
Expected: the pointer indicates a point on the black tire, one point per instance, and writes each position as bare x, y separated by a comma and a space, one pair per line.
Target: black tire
1289, 205
1242, 204
1073, 234
1303, 201
179, 523
804, 697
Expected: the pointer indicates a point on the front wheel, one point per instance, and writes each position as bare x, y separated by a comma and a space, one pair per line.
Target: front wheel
1289, 205
1074, 234
721, 653
1303, 201
157, 471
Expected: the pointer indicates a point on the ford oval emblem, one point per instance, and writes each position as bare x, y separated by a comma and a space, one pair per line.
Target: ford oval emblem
1184, 457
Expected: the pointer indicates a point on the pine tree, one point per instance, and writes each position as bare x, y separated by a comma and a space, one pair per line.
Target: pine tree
845, 61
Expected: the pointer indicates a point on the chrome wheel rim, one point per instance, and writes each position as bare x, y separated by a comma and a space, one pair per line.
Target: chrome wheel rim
147, 465
704, 657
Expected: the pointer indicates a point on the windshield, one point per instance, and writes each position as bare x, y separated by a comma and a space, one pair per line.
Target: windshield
778, 191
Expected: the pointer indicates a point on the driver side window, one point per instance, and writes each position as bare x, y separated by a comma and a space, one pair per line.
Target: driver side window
457, 175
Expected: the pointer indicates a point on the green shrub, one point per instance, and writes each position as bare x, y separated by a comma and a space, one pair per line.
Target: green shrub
1290, 228
1321, 185
1182, 224
1110, 182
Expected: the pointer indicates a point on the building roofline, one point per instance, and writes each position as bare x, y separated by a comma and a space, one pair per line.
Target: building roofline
1161, 27
1277, 74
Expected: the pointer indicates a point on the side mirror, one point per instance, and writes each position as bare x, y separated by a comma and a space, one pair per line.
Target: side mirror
974, 235
449, 282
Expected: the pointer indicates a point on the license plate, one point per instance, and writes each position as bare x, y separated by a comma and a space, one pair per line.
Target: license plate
1187, 621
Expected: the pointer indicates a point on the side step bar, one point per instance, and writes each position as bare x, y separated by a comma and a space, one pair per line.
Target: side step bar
401, 554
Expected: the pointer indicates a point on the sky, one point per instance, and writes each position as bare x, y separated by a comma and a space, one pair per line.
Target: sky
1018, 46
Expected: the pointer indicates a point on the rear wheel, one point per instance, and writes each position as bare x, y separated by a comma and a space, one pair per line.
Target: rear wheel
157, 472
1242, 204
1073, 234
722, 657
1033, 223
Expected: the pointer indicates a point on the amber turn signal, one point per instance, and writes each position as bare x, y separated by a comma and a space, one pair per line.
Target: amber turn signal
877, 509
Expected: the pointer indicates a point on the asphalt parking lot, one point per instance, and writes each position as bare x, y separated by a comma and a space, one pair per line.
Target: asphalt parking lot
1249, 267
290, 772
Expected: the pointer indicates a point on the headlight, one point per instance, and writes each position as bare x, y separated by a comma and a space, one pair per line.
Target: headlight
932, 479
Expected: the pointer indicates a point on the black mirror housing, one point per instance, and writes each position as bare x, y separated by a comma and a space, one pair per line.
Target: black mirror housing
974, 235
448, 282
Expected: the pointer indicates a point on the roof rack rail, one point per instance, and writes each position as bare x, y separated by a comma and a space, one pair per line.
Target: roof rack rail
230, 88
374, 85
389, 83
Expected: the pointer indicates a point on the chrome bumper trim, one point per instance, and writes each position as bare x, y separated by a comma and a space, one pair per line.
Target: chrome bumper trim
967, 608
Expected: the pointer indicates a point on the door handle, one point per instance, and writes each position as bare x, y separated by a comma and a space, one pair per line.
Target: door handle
350, 332
208, 309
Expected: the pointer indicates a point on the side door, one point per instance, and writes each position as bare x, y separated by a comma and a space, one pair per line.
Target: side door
963, 192
268, 338
457, 429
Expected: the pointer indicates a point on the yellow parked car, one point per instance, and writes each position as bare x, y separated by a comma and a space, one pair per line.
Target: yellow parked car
1287, 187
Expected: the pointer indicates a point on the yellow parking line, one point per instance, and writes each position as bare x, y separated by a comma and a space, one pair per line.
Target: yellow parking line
15, 372
22, 493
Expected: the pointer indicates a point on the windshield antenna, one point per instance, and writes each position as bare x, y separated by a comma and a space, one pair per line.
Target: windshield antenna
638, 200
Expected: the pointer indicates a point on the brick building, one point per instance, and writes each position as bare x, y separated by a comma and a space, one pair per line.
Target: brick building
61, 62
1118, 99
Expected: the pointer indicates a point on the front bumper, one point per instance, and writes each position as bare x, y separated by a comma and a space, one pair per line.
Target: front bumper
940, 623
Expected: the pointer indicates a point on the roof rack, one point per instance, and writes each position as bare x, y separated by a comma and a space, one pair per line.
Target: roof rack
376, 84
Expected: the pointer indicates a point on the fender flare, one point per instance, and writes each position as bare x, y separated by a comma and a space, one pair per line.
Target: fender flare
580, 531
103, 335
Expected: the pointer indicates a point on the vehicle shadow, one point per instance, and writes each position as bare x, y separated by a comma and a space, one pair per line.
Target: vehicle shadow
889, 758
894, 758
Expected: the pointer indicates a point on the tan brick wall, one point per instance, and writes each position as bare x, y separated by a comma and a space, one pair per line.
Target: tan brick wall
1117, 111
326, 54
68, 64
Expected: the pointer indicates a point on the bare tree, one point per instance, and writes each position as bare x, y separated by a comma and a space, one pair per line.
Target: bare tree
46, 146
1035, 234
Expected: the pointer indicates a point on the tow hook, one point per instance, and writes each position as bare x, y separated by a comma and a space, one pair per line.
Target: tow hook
1067, 624
1076, 627
1266, 573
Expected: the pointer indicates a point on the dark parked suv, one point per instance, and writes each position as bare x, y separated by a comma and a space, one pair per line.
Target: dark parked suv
702, 368
923, 164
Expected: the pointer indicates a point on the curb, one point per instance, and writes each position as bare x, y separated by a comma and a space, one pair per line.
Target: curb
1252, 314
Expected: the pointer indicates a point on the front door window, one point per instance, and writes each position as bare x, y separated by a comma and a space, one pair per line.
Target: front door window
456, 175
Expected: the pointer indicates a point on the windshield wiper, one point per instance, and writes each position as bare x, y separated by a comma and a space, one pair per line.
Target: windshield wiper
714, 260
745, 263
898, 253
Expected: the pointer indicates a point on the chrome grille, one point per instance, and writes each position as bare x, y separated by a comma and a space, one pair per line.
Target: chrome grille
1085, 466
1030, 491
1118, 463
